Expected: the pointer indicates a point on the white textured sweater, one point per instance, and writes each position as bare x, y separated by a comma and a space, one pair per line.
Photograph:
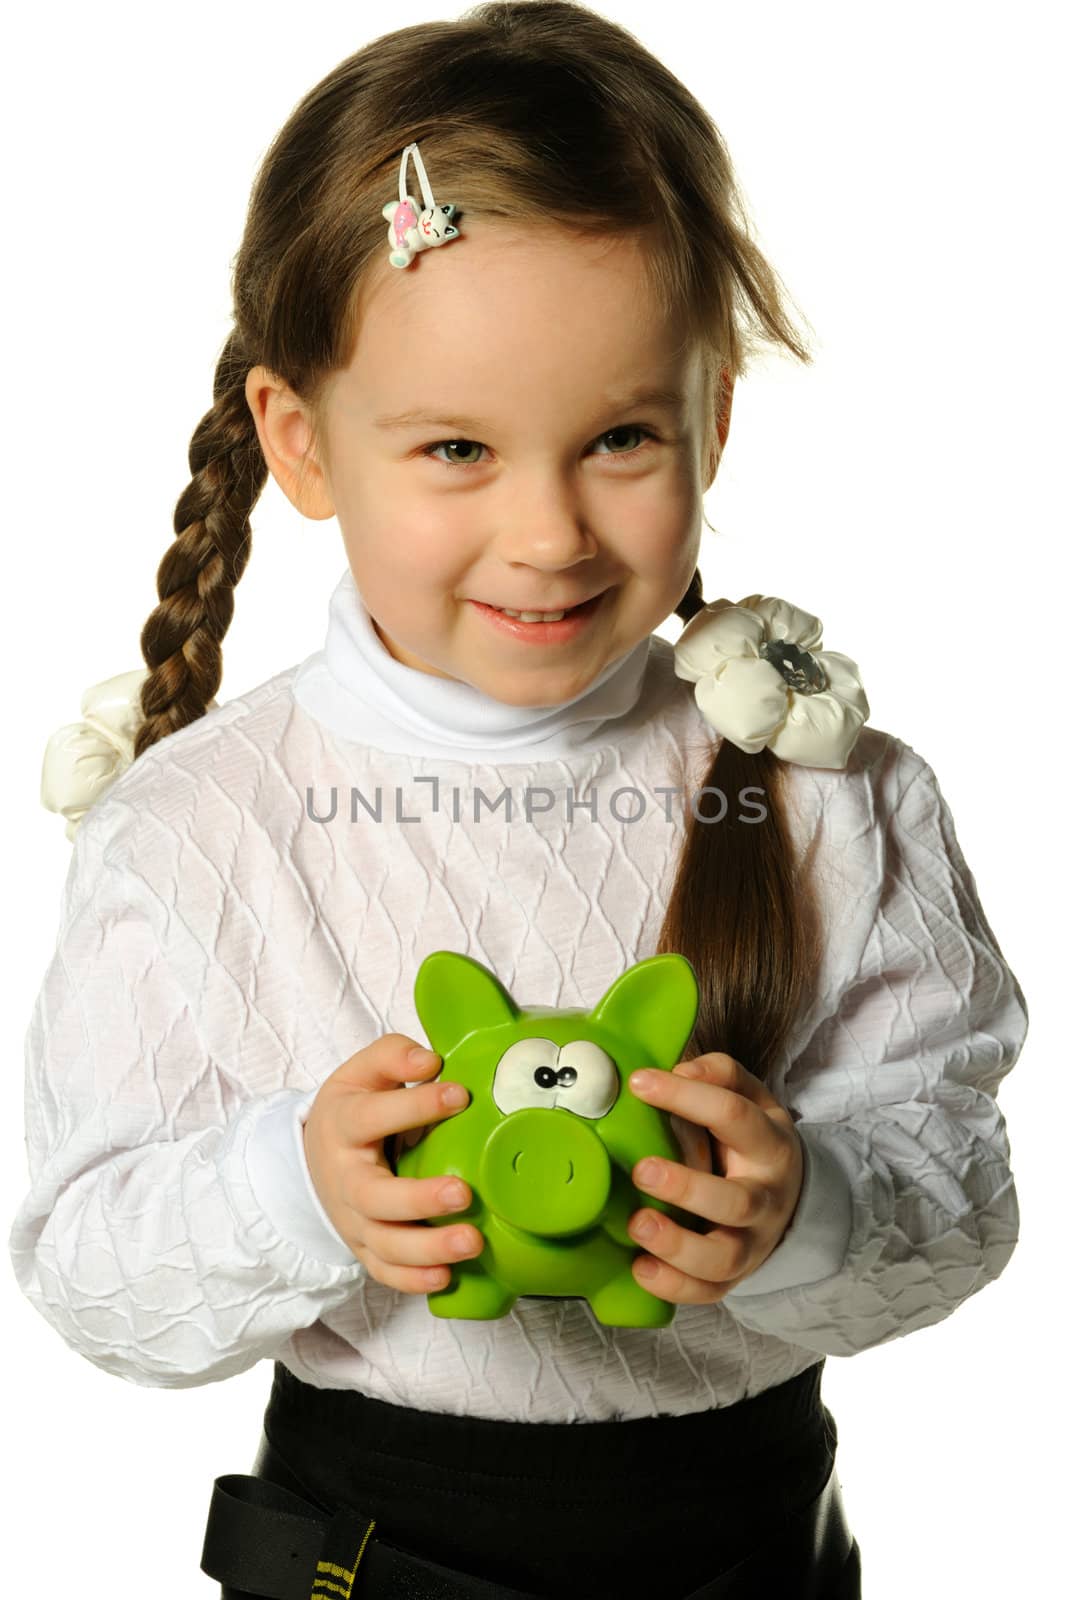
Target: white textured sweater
222, 950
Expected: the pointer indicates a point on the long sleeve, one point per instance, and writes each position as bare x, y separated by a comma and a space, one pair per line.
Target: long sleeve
170, 1233
894, 1098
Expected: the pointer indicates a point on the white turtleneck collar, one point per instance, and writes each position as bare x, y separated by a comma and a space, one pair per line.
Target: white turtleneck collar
358, 690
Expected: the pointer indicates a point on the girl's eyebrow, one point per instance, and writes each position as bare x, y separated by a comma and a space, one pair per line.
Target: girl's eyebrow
662, 399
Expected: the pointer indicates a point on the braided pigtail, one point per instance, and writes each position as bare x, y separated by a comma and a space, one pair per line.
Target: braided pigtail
182, 639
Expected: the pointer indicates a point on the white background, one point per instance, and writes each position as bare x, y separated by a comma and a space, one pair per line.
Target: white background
901, 166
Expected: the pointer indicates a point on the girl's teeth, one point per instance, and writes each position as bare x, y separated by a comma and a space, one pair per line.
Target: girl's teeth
534, 616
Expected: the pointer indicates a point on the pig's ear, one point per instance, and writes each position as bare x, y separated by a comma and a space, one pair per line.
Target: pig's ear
454, 996
653, 1007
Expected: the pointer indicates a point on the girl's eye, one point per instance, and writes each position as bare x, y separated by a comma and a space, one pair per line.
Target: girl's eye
628, 428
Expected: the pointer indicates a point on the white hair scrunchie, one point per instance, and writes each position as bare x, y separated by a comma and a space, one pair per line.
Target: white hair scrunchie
762, 679
83, 759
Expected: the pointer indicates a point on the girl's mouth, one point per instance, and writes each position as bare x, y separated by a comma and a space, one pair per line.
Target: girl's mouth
566, 628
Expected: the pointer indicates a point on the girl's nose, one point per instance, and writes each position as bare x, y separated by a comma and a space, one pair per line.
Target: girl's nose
546, 530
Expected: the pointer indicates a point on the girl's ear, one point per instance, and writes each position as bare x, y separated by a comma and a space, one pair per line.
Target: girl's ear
725, 387
719, 424
286, 438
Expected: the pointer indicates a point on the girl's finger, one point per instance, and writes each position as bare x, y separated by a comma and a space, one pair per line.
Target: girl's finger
407, 1245
384, 1063
680, 1288
727, 1202
409, 1280
728, 1073
694, 1143
736, 1121
362, 1118
692, 1267
374, 1193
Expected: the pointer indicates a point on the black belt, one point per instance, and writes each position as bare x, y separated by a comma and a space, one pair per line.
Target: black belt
268, 1542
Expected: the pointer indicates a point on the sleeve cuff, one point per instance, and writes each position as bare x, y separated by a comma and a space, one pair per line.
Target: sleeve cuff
814, 1245
280, 1179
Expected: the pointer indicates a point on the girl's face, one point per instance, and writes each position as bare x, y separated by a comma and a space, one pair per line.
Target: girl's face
541, 472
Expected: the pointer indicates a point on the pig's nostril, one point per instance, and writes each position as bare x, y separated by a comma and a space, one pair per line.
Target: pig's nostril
570, 1178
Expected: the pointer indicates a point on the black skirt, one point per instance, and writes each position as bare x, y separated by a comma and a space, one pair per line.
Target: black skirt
654, 1505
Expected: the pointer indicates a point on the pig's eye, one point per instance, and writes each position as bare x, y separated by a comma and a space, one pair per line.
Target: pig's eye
592, 1078
578, 1077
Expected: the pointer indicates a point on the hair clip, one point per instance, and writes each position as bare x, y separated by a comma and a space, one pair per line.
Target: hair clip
409, 230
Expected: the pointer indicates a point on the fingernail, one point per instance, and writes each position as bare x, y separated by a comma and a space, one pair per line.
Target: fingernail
455, 1095
421, 1057
649, 1173
454, 1196
641, 1082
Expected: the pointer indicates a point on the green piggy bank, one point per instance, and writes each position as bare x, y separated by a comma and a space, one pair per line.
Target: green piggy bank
551, 1133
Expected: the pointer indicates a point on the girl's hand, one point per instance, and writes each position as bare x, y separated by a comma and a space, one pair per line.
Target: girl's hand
375, 1212
760, 1157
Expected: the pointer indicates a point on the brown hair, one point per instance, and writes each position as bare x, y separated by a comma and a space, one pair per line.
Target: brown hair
625, 148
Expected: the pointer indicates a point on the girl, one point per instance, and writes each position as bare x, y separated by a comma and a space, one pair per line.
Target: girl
513, 393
